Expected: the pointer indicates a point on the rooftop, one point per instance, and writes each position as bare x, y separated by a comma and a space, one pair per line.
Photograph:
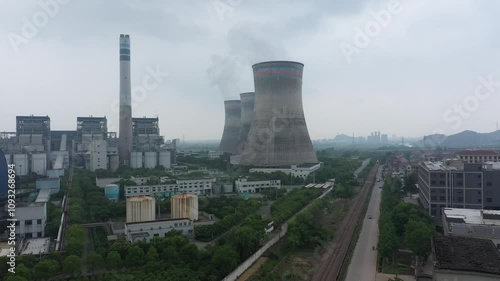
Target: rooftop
36, 246
43, 196
439, 166
466, 254
156, 221
478, 152
472, 216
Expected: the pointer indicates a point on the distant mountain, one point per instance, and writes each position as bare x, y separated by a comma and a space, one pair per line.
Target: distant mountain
464, 139
342, 138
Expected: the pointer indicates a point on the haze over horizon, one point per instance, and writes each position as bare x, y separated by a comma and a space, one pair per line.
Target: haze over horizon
418, 75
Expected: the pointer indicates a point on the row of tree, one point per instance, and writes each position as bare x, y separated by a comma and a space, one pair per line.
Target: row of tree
402, 225
291, 203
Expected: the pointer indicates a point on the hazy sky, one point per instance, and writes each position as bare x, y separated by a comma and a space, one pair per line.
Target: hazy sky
417, 71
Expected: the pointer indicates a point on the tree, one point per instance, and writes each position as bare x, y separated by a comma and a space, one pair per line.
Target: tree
152, 254
71, 264
135, 256
15, 277
94, 261
113, 260
418, 238
22, 274
224, 259
46, 268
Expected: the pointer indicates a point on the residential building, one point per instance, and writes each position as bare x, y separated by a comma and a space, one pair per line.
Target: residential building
243, 185
148, 230
479, 156
454, 184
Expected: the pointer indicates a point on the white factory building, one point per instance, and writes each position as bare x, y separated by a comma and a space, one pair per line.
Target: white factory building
31, 220
214, 154
197, 187
148, 230
150, 159
302, 170
98, 155
243, 185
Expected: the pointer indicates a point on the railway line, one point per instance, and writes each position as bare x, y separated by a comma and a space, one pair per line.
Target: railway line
330, 268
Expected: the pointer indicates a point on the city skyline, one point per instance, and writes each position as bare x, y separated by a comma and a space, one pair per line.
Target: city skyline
406, 81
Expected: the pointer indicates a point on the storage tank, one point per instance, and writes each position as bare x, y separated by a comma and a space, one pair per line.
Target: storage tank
112, 191
185, 206
164, 159
136, 159
21, 164
150, 159
114, 162
140, 208
39, 163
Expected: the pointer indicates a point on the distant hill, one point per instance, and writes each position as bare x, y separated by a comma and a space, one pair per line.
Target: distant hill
342, 138
464, 139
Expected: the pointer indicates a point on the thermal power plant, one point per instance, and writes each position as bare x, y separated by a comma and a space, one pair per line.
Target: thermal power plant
230, 135
140, 208
247, 117
184, 206
278, 136
125, 134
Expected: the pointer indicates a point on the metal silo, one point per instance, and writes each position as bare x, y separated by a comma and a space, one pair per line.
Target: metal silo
140, 208
278, 136
184, 206
229, 141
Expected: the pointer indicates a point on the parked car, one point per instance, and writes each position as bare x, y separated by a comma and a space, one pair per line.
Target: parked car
370, 217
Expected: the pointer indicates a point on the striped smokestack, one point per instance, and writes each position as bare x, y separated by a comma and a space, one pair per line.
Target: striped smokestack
125, 137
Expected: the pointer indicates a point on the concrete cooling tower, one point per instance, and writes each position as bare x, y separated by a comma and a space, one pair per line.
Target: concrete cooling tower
229, 141
247, 117
278, 136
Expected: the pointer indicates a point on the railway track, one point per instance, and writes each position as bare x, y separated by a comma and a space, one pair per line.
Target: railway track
329, 270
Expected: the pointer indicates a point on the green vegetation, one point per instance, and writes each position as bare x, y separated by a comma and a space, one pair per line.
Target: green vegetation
305, 228
402, 225
231, 217
291, 203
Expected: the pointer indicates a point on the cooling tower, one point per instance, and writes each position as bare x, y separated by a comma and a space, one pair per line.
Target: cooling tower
125, 137
229, 141
278, 136
247, 117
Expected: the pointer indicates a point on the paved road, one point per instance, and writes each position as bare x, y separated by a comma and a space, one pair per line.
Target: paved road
364, 259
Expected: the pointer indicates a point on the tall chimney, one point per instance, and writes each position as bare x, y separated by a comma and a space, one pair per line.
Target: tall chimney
125, 137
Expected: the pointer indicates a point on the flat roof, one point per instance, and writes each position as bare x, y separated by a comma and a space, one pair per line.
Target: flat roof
307, 165
156, 221
482, 152
43, 196
472, 216
439, 166
36, 246
494, 165
466, 254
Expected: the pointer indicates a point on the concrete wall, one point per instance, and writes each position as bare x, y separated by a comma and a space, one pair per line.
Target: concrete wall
246, 264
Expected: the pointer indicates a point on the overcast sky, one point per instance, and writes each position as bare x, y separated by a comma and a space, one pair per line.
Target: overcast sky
408, 78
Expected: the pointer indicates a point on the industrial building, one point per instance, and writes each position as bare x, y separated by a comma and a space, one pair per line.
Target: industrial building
482, 224
195, 186
140, 208
243, 185
230, 135
303, 170
125, 117
148, 230
454, 184
459, 258
278, 135
98, 155
184, 206
213, 154
33, 133
31, 220
52, 184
